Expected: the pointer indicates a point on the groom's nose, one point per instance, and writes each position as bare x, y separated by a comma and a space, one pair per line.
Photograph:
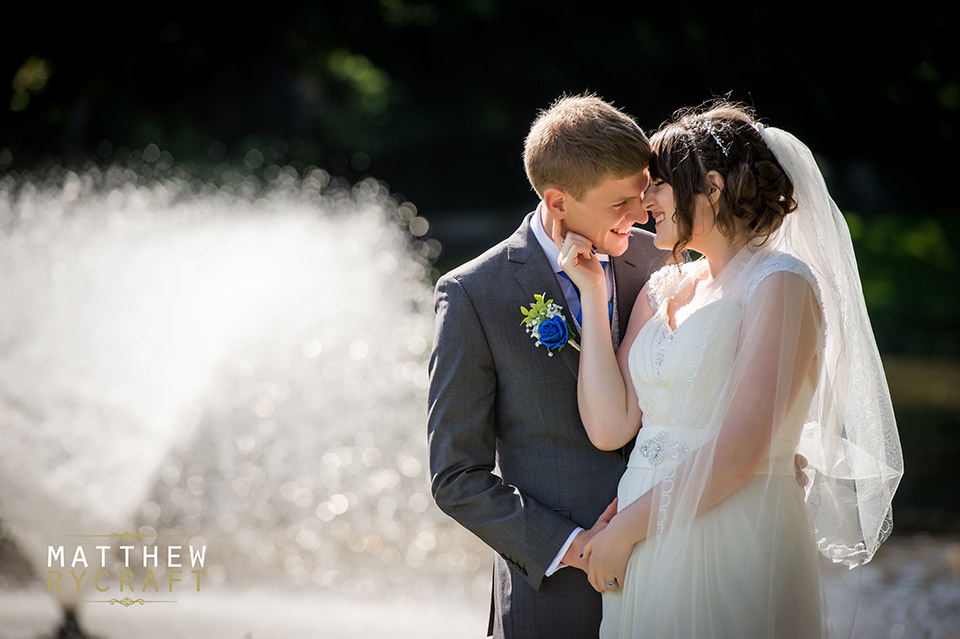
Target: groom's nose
639, 213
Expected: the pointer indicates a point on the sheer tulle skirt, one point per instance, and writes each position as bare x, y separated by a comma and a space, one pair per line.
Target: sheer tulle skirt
750, 568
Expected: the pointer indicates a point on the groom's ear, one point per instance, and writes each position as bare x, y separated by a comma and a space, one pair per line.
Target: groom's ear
555, 199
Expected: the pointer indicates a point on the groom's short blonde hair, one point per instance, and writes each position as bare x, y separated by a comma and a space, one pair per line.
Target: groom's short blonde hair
579, 142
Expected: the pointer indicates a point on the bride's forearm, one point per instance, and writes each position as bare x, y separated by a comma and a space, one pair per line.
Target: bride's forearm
601, 389
630, 525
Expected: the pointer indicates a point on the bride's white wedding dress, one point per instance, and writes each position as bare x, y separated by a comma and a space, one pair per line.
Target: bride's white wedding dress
749, 566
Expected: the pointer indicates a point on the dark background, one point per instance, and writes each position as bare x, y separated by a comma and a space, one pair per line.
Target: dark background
439, 96
435, 99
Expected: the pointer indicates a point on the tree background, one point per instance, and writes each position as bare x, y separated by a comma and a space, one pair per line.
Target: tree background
435, 99
438, 97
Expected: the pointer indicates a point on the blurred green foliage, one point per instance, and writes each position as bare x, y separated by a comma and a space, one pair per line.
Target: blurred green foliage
927, 405
908, 271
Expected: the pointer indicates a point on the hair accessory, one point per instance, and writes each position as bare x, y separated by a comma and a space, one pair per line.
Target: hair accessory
716, 138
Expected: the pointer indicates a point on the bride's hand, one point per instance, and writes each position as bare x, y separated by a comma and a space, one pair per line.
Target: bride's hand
606, 556
578, 260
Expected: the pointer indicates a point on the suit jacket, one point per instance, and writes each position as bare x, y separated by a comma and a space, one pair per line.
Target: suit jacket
509, 457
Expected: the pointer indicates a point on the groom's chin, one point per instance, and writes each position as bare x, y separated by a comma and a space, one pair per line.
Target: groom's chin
618, 252
617, 245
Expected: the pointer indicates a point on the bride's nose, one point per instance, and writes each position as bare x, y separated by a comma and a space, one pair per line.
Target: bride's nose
648, 197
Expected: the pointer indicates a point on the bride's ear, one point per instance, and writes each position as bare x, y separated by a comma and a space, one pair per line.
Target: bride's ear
555, 198
715, 185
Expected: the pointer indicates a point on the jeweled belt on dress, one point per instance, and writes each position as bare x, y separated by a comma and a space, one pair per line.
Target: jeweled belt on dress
663, 447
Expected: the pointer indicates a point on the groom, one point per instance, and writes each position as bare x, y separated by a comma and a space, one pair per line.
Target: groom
509, 457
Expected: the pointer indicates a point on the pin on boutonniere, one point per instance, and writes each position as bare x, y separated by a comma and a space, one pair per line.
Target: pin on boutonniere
545, 323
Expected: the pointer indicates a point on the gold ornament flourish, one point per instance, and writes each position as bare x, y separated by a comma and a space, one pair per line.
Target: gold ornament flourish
126, 535
126, 602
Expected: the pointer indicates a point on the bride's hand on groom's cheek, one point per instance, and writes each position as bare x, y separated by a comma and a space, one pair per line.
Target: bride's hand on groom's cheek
578, 261
607, 556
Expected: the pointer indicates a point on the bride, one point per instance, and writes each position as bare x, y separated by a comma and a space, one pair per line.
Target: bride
733, 363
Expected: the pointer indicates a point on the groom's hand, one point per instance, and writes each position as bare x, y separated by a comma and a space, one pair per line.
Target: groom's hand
574, 554
799, 463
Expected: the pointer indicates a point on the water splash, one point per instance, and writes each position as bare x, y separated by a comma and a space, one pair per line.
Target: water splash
239, 361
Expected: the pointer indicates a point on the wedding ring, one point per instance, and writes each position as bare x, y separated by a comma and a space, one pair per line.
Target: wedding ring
611, 583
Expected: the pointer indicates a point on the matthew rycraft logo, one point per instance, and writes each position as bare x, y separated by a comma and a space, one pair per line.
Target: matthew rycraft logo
126, 568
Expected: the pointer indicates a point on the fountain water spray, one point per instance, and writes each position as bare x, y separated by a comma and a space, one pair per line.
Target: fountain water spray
238, 364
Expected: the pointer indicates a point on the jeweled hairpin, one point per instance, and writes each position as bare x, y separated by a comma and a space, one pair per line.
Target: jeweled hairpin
716, 138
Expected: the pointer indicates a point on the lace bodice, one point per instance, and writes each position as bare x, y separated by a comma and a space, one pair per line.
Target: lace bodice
680, 374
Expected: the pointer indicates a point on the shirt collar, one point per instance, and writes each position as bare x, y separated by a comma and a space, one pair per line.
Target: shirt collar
546, 242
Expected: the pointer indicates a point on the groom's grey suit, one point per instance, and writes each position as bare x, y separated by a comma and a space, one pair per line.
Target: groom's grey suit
509, 457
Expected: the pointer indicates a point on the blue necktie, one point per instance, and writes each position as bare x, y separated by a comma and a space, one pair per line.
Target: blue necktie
605, 265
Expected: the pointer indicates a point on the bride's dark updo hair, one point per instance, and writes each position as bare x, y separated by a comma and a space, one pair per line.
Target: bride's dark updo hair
720, 136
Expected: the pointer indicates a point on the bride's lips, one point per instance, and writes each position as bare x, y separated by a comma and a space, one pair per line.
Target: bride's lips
658, 216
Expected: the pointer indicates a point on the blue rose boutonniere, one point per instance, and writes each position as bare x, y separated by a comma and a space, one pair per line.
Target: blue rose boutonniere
545, 323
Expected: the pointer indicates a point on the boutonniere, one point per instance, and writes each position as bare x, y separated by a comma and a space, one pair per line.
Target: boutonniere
545, 323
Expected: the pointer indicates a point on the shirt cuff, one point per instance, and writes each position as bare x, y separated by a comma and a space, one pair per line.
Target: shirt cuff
557, 564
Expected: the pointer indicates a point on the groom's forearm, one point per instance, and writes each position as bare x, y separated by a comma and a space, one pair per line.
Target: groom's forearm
525, 533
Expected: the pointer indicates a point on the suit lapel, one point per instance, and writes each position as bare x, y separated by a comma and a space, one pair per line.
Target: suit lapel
624, 274
535, 276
